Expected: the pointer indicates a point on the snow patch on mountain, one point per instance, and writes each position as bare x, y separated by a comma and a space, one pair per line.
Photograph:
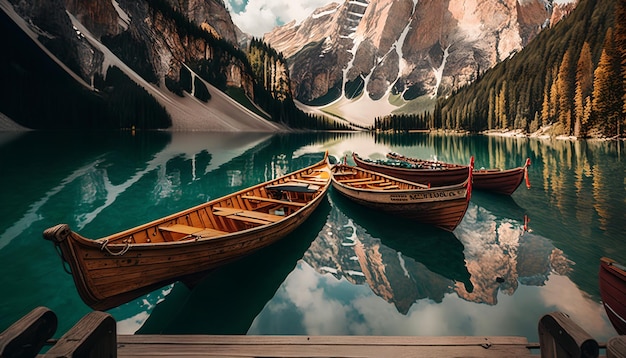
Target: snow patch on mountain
439, 71
124, 18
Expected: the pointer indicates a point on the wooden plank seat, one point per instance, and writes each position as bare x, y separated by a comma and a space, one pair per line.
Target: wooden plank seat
275, 201
348, 181
192, 231
371, 182
312, 181
247, 215
339, 174
296, 185
319, 174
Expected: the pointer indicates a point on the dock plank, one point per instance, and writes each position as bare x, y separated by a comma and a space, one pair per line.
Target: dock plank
320, 346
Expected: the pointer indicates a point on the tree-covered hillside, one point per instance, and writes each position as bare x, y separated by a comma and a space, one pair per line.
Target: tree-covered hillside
570, 77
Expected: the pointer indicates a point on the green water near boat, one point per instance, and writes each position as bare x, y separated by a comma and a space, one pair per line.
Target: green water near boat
346, 270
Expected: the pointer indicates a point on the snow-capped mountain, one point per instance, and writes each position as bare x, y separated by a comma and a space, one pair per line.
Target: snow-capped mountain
366, 58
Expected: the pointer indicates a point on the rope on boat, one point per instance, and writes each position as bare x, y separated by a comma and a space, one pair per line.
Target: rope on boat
64, 263
105, 246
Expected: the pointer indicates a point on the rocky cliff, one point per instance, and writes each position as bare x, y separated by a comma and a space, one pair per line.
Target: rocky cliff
386, 49
155, 43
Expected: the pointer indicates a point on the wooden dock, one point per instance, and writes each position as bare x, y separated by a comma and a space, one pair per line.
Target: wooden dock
95, 336
320, 346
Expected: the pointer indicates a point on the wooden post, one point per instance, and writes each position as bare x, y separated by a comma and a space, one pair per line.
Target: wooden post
560, 337
94, 336
29, 334
616, 347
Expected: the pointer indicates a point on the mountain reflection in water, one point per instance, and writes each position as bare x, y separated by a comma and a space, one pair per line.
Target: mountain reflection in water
500, 254
402, 261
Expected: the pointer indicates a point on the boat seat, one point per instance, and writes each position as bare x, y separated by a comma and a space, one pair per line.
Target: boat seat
321, 174
247, 215
296, 185
369, 182
338, 174
192, 230
348, 181
276, 201
313, 181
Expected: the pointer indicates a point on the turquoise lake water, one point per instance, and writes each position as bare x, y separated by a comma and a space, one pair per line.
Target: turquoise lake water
345, 271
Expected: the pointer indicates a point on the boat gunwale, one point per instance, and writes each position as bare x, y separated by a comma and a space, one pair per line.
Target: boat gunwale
613, 267
420, 187
421, 171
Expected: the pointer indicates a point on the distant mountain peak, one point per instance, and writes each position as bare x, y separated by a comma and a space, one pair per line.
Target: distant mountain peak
396, 51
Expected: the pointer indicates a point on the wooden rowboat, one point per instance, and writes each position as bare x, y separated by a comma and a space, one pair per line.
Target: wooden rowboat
426, 172
501, 181
613, 292
442, 206
118, 268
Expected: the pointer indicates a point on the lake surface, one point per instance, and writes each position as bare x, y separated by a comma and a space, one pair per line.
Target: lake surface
345, 271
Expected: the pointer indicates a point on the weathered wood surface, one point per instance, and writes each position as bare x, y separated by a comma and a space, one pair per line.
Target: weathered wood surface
559, 336
94, 336
319, 346
29, 334
616, 347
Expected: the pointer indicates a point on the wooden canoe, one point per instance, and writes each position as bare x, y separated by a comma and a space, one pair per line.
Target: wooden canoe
442, 206
612, 278
500, 181
115, 269
426, 172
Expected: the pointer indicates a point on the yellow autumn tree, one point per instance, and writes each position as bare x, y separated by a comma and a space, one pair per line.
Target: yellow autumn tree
584, 87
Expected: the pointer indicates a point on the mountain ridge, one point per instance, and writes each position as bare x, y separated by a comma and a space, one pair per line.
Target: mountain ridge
364, 47
84, 56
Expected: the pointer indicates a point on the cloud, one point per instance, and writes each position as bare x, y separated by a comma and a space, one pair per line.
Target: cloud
257, 17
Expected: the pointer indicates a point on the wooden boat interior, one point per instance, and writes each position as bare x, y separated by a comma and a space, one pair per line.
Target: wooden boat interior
249, 208
358, 178
396, 159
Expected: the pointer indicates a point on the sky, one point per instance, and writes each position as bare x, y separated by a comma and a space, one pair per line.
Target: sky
256, 17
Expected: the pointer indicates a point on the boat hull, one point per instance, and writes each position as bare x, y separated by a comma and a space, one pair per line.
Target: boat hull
612, 278
434, 177
499, 181
493, 180
114, 270
443, 207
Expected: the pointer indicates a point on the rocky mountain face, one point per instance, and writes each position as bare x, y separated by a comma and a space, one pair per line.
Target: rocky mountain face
411, 48
135, 31
174, 50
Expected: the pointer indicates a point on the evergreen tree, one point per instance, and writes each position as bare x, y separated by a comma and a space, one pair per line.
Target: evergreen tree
501, 107
584, 87
620, 43
565, 89
607, 103
491, 110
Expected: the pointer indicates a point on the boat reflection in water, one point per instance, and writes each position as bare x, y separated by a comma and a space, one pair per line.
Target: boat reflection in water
437, 282
400, 260
404, 262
